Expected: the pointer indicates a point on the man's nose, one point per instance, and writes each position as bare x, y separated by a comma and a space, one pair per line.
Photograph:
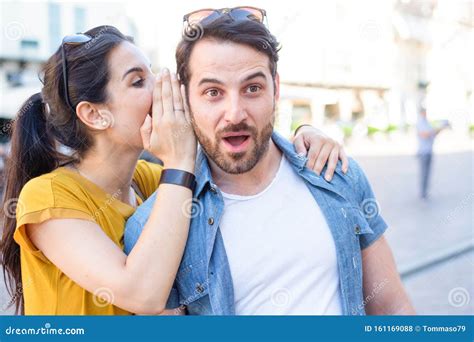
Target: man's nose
235, 111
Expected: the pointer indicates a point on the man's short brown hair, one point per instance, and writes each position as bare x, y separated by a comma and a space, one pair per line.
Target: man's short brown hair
225, 28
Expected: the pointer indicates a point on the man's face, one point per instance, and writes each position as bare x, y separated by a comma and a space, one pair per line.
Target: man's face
232, 99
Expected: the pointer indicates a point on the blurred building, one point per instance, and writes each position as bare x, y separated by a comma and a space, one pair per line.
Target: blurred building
356, 68
32, 31
350, 67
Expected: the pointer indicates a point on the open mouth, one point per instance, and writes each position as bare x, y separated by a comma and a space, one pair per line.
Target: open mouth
236, 142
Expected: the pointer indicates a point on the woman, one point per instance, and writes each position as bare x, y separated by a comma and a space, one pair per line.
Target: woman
62, 251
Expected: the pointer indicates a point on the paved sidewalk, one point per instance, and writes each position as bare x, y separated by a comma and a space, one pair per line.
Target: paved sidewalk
421, 230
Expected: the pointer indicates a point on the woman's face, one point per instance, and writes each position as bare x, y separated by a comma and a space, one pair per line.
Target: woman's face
129, 90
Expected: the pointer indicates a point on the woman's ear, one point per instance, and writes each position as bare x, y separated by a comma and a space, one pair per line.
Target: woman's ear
93, 117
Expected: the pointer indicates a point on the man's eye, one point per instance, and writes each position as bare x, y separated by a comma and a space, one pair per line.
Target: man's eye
212, 92
138, 83
253, 88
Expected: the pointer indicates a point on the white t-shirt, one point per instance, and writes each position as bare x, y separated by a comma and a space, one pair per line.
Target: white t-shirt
281, 252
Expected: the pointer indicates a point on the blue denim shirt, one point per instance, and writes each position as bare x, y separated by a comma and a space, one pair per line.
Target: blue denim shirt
204, 283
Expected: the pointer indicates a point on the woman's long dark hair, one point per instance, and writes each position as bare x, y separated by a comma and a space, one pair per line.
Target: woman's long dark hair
45, 121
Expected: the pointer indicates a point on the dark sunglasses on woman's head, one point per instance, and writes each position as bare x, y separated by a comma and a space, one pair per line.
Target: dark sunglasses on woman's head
208, 15
75, 39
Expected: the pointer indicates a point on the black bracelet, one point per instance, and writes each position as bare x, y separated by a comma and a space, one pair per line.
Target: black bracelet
178, 177
298, 128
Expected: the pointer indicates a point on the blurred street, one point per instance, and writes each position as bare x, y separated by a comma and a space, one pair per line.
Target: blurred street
428, 232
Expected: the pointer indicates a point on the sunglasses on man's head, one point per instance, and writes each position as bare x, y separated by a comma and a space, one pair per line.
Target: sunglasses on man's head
208, 15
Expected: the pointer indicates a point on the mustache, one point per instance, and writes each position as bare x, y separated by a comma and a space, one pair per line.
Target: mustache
242, 126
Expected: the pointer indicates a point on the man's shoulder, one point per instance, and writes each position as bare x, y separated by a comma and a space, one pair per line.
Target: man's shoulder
142, 213
352, 184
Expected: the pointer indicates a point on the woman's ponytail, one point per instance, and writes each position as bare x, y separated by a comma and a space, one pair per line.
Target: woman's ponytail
33, 153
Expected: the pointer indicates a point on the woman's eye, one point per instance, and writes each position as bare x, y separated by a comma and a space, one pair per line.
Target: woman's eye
212, 92
138, 83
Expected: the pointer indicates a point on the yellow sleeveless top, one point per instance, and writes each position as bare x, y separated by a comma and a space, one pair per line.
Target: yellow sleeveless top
60, 194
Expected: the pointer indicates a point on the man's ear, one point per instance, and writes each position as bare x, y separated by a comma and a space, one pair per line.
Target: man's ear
94, 117
277, 87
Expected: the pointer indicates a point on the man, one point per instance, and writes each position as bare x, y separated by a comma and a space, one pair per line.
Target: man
426, 137
269, 236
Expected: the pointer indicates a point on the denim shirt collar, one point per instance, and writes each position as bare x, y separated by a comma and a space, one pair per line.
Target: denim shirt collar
202, 172
298, 162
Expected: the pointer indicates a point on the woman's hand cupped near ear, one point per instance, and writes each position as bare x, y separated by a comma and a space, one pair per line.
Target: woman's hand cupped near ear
168, 133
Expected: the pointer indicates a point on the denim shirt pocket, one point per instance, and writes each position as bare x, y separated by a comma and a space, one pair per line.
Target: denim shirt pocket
357, 225
193, 284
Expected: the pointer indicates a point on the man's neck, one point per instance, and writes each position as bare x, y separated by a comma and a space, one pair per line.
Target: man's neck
253, 181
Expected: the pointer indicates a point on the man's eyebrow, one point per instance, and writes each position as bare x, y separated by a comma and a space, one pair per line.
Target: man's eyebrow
255, 75
215, 80
210, 80
131, 70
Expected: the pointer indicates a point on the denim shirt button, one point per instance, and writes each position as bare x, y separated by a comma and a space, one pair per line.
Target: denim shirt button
210, 221
199, 288
357, 229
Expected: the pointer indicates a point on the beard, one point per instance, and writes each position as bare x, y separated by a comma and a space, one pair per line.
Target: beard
240, 162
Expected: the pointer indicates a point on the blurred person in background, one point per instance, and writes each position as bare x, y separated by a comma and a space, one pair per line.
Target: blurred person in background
426, 135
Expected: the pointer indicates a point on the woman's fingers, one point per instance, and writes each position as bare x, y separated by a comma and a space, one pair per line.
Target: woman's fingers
167, 94
344, 159
187, 112
332, 163
313, 153
322, 158
177, 101
300, 146
157, 110
145, 132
